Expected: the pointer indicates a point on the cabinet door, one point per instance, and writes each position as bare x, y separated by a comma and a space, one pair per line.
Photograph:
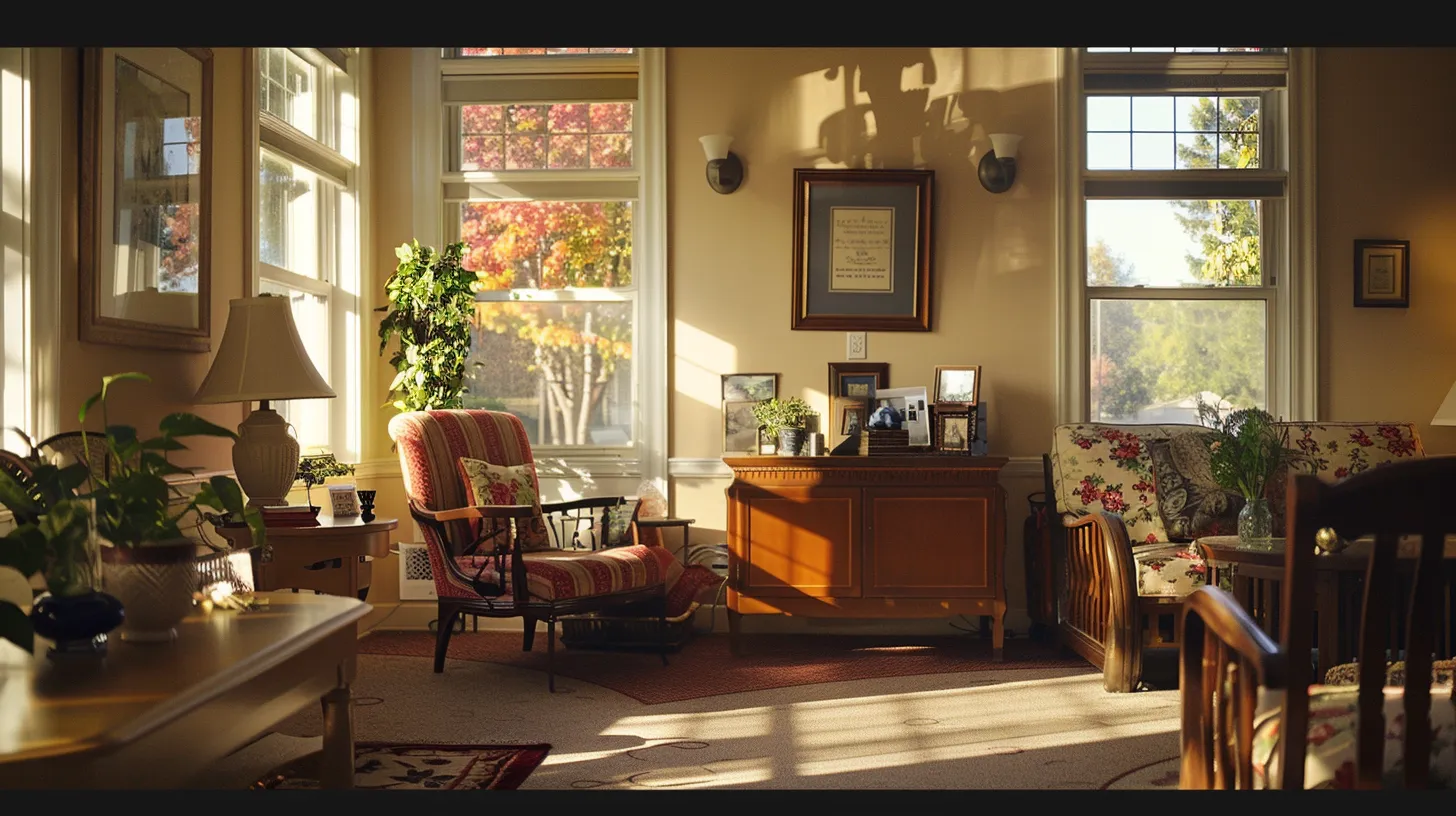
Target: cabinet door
795, 542
932, 542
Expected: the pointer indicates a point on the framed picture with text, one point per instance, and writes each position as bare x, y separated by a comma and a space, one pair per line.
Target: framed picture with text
1382, 273
862, 243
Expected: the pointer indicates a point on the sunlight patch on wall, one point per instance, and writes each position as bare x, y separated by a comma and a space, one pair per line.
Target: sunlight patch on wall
700, 363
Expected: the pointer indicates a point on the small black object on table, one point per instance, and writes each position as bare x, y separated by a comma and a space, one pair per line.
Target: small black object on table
659, 523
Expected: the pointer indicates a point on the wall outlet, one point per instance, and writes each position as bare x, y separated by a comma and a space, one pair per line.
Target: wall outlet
854, 346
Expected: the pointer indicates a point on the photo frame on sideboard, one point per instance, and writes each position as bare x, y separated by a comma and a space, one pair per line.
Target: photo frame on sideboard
857, 379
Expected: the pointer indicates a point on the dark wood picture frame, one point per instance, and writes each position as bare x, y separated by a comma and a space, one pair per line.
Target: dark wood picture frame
843, 408
953, 415
940, 397
1382, 272
98, 322
839, 372
879, 224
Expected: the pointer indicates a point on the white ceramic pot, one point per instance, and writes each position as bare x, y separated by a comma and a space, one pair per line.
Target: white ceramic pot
155, 584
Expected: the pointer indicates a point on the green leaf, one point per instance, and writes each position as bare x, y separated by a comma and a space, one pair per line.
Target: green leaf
24, 550
15, 627
16, 496
164, 443
186, 424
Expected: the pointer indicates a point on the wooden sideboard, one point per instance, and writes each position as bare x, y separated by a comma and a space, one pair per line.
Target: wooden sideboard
867, 537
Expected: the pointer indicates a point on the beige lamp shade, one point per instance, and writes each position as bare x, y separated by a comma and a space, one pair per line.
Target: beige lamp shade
261, 357
1446, 414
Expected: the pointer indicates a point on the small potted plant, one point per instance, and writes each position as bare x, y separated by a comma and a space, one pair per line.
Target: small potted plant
147, 562
52, 537
314, 469
784, 418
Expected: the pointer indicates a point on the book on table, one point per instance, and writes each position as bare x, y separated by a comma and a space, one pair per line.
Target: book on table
292, 515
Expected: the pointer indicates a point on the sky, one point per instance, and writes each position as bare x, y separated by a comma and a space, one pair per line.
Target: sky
1140, 133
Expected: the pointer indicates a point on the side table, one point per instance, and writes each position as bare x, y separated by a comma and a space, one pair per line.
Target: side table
333, 558
660, 523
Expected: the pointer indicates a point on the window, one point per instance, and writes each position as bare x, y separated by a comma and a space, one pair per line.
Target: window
547, 157
308, 226
1186, 269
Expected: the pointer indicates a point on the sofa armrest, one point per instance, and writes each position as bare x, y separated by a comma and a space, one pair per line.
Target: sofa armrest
1100, 539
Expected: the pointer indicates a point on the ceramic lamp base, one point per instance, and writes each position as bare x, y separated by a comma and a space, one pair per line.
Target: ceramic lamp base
265, 458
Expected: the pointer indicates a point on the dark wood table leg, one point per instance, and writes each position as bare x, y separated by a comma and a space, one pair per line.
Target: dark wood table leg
1327, 618
336, 761
735, 625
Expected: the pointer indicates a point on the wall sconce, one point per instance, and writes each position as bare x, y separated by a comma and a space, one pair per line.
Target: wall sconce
725, 171
998, 168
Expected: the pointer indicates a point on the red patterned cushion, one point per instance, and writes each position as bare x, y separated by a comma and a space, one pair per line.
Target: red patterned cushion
503, 485
558, 575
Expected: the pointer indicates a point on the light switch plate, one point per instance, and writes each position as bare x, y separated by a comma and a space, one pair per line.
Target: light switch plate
854, 346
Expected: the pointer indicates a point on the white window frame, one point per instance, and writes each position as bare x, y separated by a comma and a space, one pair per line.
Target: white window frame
1287, 233
341, 281
438, 190
30, 270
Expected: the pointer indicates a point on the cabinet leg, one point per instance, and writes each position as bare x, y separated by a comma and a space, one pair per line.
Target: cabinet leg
998, 631
735, 624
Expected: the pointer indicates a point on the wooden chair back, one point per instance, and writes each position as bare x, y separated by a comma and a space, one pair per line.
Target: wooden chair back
1228, 658
1387, 503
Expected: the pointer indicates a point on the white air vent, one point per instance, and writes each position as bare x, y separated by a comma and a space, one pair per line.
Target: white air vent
416, 579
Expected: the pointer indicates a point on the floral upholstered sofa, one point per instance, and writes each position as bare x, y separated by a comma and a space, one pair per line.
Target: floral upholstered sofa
1131, 504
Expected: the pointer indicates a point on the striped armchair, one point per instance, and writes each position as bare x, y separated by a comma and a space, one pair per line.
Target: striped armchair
476, 554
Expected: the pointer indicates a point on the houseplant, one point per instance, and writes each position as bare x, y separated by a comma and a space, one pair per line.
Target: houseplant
430, 312
316, 468
784, 418
147, 561
52, 536
1247, 450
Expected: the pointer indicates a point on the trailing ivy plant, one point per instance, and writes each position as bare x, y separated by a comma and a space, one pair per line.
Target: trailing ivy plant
431, 309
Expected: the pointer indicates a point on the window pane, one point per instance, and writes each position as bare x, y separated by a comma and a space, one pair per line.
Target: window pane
1173, 243
310, 417
577, 136
1153, 359
531, 52
288, 215
548, 244
1167, 132
564, 368
286, 88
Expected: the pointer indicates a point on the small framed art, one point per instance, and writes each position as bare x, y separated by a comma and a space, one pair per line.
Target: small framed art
957, 385
756, 387
849, 415
857, 380
955, 430
1382, 273
740, 427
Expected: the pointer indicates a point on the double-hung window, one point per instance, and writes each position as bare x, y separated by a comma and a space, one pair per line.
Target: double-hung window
1182, 220
308, 225
548, 154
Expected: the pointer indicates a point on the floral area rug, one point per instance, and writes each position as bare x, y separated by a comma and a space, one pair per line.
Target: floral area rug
403, 766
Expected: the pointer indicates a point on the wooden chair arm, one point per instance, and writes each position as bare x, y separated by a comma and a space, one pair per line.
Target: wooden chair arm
592, 503
1216, 613
1225, 660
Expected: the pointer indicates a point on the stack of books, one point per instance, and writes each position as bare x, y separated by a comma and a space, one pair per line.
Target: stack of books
290, 515
875, 442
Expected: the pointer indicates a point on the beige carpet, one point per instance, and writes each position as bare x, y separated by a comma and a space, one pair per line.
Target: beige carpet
1013, 729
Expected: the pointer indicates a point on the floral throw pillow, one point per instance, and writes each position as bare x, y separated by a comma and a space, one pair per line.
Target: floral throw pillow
1190, 502
496, 485
614, 528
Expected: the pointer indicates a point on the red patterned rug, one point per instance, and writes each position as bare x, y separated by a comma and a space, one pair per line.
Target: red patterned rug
704, 666
405, 766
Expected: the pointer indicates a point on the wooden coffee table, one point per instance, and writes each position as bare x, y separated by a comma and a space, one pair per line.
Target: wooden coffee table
153, 715
1256, 576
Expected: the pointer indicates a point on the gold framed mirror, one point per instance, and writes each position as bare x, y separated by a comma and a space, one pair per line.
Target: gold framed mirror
146, 207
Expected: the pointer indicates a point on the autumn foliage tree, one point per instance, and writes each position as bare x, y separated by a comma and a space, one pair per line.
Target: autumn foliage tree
574, 347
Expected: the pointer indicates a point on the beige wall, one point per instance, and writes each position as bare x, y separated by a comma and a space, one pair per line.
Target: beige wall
175, 374
1387, 169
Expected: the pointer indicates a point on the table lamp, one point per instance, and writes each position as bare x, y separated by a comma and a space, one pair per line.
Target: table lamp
1446, 414
262, 358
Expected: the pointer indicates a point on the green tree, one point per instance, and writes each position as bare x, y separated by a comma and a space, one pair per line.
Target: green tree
1118, 389
1227, 230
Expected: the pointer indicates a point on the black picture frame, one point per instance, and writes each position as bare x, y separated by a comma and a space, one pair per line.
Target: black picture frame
862, 249
1382, 273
